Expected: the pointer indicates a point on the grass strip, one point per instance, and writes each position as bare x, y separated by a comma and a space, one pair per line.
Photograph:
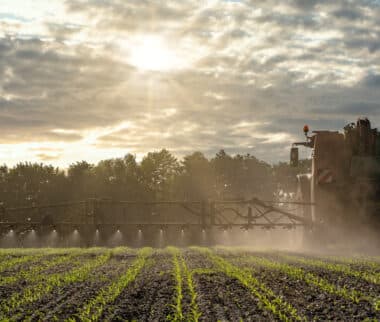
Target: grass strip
39, 290
311, 279
268, 300
93, 309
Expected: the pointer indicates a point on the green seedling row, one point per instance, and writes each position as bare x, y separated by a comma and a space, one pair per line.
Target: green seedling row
33, 273
33, 255
370, 262
335, 267
311, 279
93, 309
9, 263
269, 301
194, 310
177, 275
47, 285
183, 275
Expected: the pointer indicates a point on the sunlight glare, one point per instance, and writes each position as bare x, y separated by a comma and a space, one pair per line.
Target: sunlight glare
152, 53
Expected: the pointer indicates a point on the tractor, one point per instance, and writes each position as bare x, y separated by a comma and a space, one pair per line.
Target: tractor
343, 187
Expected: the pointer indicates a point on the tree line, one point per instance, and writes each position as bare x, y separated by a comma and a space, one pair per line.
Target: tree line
159, 176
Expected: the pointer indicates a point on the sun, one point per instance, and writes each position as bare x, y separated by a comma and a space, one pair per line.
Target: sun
153, 54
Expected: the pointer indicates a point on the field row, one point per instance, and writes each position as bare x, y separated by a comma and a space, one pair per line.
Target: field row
192, 284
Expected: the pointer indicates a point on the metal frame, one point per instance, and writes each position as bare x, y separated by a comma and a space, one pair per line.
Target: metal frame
223, 214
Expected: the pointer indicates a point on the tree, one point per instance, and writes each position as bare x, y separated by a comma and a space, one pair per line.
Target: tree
120, 179
159, 176
159, 170
197, 179
286, 176
28, 184
80, 180
241, 176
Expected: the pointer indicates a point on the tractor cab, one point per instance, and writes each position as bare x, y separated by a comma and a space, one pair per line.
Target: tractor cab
357, 151
362, 144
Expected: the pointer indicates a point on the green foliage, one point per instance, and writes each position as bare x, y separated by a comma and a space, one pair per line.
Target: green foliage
241, 176
159, 170
31, 183
285, 175
158, 176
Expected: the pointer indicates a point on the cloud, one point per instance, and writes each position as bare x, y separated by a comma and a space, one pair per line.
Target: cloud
348, 13
271, 66
372, 80
47, 157
360, 108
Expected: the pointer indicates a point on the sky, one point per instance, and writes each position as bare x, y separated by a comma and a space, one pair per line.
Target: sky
97, 79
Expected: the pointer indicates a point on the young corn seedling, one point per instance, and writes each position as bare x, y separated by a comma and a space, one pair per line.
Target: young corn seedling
178, 315
93, 309
269, 301
195, 313
335, 267
311, 279
37, 291
33, 274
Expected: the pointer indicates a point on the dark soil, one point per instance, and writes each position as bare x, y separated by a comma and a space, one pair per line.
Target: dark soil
195, 260
312, 302
7, 290
338, 279
221, 298
344, 281
64, 302
26, 265
149, 298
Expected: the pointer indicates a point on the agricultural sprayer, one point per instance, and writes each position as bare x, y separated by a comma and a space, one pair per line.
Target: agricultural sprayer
98, 220
338, 200
343, 187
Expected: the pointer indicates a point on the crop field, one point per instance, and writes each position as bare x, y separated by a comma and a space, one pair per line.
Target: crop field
187, 284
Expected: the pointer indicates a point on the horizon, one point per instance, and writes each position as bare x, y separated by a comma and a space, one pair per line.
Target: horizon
139, 160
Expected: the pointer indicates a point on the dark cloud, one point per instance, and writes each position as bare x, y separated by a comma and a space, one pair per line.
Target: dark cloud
62, 32
48, 157
361, 108
119, 14
348, 13
372, 80
307, 4
355, 109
